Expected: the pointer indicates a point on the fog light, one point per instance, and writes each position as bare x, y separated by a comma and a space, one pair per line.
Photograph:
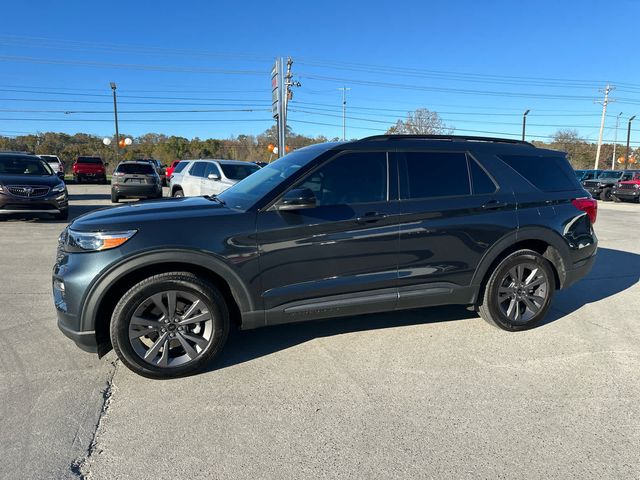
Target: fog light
58, 295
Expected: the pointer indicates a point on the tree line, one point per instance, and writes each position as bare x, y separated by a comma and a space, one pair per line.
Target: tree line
254, 148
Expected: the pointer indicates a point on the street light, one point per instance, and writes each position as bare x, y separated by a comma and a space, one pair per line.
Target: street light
626, 156
615, 142
115, 113
524, 123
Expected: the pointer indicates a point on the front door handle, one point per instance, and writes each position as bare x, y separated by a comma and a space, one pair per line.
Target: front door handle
371, 217
493, 204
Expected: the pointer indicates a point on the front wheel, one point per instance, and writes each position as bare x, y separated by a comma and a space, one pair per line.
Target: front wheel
178, 193
169, 325
519, 291
605, 195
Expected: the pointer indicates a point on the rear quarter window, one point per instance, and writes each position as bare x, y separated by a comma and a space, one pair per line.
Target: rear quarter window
547, 173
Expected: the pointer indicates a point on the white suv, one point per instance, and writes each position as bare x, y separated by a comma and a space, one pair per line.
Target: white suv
55, 164
208, 177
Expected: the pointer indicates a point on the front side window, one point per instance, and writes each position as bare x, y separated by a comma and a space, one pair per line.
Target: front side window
351, 178
434, 174
211, 168
197, 169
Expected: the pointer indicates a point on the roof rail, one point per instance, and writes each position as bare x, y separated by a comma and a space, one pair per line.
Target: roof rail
451, 138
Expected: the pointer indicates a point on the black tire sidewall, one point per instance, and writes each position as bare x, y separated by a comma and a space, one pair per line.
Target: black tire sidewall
178, 281
491, 292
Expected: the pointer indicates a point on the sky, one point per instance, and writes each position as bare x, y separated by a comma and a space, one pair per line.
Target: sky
202, 68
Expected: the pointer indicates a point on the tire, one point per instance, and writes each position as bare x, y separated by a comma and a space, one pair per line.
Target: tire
62, 215
616, 199
148, 299
501, 285
114, 197
178, 193
605, 195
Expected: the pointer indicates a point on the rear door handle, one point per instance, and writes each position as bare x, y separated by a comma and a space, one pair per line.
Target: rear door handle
493, 204
371, 217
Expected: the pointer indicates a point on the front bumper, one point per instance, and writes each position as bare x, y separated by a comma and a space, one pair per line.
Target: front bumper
50, 203
594, 191
626, 193
84, 340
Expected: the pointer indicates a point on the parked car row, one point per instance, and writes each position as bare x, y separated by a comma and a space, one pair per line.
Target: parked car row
607, 185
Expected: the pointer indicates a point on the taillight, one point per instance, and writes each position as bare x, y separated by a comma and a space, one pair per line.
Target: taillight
587, 205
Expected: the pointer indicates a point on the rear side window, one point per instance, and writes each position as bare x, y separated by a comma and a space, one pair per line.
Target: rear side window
179, 167
549, 174
136, 168
434, 174
238, 172
197, 170
480, 181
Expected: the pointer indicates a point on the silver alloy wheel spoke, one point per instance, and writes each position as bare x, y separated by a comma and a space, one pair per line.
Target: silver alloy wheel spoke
141, 333
536, 282
143, 322
153, 351
171, 303
164, 358
523, 292
191, 352
201, 342
159, 302
530, 305
190, 310
202, 317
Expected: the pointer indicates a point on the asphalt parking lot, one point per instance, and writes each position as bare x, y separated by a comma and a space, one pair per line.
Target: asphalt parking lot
431, 393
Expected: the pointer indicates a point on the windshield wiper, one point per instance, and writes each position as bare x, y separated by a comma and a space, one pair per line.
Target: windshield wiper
215, 199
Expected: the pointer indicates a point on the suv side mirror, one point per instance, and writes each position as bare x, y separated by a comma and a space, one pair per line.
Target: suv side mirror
297, 199
213, 176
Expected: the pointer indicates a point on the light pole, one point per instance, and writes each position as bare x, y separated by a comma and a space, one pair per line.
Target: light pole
524, 123
626, 155
615, 142
344, 112
115, 113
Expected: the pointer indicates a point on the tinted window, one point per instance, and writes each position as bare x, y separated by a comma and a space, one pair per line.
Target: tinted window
24, 166
480, 181
238, 172
179, 167
89, 160
549, 174
211, 168
434, 174
135, 168
351, 178
197, 169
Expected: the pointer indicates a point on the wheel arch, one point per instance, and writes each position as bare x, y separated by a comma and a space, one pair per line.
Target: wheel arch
104, 294
543, 241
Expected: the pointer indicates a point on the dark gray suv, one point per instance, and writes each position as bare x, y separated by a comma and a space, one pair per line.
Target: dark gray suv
331, 230
29, 185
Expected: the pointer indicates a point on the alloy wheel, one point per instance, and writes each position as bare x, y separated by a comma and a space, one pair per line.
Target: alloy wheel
523, 292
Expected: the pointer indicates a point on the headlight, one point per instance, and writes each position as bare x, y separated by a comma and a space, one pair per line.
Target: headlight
602, 184
2, 190
95, 241
61, 187
637, 185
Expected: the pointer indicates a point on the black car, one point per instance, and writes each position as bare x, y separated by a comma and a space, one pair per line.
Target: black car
135, 180
330, 230
160, 169
29, 185
602, 186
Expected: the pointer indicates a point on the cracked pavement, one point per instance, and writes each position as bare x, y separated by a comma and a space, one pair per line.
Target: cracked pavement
430, 393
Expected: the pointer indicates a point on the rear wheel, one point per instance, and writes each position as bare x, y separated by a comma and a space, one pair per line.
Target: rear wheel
519, 291
178, 193
169, 325
605, 194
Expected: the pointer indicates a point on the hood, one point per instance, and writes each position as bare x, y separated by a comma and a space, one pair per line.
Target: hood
47, 180
631, 182
165, 211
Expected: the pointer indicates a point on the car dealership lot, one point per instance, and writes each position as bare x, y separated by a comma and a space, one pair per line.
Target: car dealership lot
428, 393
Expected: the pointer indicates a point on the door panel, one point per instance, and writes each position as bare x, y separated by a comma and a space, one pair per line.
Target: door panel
442, 239
339, 247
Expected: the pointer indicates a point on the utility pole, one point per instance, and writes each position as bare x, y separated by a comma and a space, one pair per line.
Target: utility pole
344, 112
524, 123
605, 102
115, 113
281, 94
626, 155
615, 143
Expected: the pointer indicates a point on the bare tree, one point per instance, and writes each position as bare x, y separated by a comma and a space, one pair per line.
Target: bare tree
421, 122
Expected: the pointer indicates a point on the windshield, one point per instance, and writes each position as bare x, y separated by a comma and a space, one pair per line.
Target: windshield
24, 166
610, 174
238, 172
136, 168
249, 191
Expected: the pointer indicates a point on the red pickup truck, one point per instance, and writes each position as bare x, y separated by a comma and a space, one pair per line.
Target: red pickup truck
89, 169
627, 190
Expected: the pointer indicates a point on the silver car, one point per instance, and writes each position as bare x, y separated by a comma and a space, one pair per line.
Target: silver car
208, 176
